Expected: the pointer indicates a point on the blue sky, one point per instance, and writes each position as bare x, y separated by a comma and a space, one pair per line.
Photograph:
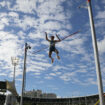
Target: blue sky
27, 21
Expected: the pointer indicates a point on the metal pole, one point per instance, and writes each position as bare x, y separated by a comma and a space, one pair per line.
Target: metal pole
85, 100
96, 56
14, 63
14, 75
79, 101
24, 72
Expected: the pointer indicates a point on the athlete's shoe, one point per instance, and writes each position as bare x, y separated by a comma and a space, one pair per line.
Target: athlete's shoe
52, 60
58, 57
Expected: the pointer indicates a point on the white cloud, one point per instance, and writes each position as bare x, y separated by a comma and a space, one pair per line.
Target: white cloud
25, 23
13, 14
4, 21
48, 77
103, 2
52, 7
8, 43
10, 47
63, 33
37, 64
36, 35
26, 6
18, 71
53, 13
52, 26
74, 46
101, 15
28, 22
100, 26
52, 74
43, 64
2, 26
92, 81
37, 73
101, 46
3, 74
2, 3
5, 4
38, 23
76, 42
35, 68
58, 67
67, 76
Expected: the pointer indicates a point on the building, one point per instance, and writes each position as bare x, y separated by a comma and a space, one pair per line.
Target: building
33, 93
48, 95
39, 94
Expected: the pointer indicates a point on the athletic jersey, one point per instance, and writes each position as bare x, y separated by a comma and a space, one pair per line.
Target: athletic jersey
52, 43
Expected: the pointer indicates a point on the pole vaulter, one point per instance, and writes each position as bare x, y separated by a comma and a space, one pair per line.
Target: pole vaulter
60, 41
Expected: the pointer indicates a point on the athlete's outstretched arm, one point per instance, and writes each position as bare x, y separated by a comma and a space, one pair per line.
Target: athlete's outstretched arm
46, 36
58, 38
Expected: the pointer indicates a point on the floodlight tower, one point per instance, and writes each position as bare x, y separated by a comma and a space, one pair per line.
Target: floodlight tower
24, 72
96, 56
15, 61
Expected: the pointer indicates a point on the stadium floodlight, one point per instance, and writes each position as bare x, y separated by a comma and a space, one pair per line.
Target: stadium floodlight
15, 62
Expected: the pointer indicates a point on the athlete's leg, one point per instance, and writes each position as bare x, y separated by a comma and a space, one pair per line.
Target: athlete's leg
57, 52
52, 59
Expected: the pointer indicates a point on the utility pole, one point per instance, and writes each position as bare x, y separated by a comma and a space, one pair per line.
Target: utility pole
24, 72
96, 56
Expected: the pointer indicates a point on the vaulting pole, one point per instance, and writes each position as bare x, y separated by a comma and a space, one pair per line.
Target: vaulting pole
96, 56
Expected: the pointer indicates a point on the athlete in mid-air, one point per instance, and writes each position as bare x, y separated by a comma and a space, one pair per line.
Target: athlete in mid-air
52, 47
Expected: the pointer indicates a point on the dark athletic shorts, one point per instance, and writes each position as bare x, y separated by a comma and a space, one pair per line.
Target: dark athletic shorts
51, 49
